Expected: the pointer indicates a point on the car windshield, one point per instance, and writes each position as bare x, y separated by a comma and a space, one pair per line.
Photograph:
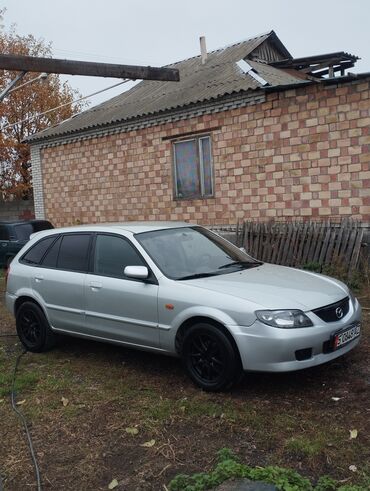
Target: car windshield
193, 252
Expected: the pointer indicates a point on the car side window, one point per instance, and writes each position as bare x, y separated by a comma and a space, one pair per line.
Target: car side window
73, 252
37, 252
51, 257
4, 234
113, 254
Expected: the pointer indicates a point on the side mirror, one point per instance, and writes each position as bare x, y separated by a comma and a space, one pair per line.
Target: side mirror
138, 272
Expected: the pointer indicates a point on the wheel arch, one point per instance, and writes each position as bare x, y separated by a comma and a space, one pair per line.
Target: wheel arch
206, 320
23, 299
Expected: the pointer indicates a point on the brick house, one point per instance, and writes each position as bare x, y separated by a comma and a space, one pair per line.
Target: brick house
248, 132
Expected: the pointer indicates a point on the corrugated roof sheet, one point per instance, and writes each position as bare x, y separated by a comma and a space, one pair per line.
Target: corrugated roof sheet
218, 77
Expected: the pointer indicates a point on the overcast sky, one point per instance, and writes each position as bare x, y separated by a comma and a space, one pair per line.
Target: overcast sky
158, 32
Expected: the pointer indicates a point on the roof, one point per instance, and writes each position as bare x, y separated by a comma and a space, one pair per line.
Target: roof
218, 77
21, 222
268, 65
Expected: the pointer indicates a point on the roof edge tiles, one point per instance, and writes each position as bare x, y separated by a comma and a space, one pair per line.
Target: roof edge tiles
230, 101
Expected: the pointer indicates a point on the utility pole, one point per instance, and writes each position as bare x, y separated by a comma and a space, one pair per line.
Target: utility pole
87, 68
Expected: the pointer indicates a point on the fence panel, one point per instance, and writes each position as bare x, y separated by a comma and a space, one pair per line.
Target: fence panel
301, 243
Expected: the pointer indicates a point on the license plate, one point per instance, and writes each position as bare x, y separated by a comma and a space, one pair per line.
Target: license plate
343, 337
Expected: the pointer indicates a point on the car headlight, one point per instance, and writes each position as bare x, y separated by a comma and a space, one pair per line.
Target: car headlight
284, 318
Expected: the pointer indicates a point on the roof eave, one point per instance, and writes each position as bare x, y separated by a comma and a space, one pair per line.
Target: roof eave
34, 140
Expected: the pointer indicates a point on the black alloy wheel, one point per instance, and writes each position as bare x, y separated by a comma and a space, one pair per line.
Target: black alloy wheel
33, 328
210, 358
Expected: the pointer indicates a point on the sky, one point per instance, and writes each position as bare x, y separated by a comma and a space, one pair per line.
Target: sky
159, 32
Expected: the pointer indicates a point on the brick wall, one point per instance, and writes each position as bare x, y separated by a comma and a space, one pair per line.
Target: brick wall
16, 210
301, 153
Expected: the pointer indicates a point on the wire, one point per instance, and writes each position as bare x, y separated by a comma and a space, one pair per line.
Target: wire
97, 56
42, 76
23, 419
62, 105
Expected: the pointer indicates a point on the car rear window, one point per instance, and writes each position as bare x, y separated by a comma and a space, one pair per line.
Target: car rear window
73, 252
37, 252
41, 225
23, 231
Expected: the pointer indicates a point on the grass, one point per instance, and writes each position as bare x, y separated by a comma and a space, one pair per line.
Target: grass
306, 447
286, 421
25, 381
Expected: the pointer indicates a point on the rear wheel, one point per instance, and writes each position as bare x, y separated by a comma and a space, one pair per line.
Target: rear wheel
33, 328
210, 357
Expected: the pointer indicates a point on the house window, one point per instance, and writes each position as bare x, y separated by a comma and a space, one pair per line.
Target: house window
193, 168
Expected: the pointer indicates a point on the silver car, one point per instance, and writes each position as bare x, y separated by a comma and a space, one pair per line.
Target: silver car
181, 290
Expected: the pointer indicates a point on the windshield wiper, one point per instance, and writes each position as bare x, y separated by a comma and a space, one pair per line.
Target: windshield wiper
198, 275
246, 264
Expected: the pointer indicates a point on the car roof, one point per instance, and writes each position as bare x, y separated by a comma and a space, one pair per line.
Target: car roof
22, 222
133, 227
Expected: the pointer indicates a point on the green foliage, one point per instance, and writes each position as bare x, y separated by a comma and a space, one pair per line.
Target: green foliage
312, 266
24, 380
326, 483
229, 468
305, 446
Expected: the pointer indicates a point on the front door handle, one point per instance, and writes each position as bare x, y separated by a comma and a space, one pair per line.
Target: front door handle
38, 278
95, 285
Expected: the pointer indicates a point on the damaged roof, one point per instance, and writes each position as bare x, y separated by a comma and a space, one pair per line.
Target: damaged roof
219, 76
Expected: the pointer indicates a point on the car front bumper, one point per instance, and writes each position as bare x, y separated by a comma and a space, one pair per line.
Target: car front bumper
270, 349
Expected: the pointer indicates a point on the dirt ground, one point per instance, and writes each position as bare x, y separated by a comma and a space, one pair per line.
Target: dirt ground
116, 400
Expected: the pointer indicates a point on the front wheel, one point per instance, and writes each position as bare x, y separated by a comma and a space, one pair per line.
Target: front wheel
210, 357
33, 328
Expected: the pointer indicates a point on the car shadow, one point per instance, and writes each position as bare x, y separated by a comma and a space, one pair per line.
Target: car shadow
162, 367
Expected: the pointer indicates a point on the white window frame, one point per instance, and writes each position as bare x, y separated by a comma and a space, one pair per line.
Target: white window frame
200, 163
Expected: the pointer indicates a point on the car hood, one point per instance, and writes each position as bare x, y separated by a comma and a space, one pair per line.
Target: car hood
276, 287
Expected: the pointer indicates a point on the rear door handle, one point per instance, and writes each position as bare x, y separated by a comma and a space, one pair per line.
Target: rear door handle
38, 278
95, 285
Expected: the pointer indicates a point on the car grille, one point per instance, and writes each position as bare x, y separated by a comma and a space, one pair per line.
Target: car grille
333, 312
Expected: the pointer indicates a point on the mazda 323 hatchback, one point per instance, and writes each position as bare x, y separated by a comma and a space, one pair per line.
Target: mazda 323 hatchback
181, 290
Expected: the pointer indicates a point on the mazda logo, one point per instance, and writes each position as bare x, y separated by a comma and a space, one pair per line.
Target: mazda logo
339, 312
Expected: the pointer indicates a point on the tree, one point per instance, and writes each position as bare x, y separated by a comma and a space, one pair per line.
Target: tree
23, 107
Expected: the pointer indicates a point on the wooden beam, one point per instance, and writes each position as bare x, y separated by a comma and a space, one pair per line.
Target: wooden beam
318, 66
87, 68
341, 67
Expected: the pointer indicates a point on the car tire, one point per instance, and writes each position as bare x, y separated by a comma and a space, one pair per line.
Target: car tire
33, 329
210, 358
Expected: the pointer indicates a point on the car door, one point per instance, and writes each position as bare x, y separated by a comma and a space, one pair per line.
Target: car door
117, 307
59, 281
